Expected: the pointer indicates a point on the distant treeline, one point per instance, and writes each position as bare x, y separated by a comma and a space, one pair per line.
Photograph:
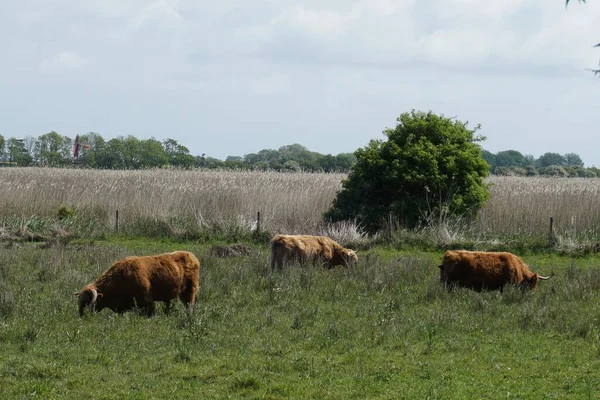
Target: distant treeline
55, 150
512, 162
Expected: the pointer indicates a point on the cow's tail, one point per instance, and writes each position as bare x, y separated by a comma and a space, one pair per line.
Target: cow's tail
545, 277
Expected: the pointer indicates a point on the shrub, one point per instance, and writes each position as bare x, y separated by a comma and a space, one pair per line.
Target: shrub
65, 213
429, 164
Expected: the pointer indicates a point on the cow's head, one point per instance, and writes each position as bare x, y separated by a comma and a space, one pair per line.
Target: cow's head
532, 282
443, 274
448, 266
349, 256
89, 297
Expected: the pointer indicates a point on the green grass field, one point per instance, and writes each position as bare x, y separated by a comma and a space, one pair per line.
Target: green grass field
382, 329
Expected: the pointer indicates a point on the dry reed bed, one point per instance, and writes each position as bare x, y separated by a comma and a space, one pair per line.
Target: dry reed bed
524, 205
288, 202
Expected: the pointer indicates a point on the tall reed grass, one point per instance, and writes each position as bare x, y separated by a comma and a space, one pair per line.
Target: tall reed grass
524, 205
200, 199
177, 201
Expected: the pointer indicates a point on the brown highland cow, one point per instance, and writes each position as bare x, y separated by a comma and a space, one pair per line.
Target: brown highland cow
481, 270
140, 281
303, 248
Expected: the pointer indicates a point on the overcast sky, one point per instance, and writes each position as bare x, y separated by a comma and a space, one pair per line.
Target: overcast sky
231, 77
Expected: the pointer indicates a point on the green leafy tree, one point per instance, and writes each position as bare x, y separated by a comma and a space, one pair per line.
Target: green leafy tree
294, 155
17, 152
554, 170
235, 162
292, 166
2, 145
235, 159
490, 158
111, 155
344, 161
549, 159
96, 143
576, 172
131, 150
428, 164
304, 158
511, 158
53, 150
178, 155
573, 160
152, 154
261, 166
208, 162
271, 157
29, 142
328, 163
251, 158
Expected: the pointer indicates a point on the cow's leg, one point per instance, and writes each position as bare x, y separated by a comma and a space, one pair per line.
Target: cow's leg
150, 308
148, 305
168, 307
188, 299
188, 296
276, 262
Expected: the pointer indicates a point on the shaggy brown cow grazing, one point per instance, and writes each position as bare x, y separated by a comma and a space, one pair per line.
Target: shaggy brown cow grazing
302, 248
480, 270
140, 281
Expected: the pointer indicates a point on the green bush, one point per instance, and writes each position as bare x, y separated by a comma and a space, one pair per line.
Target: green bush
428, 165
65, 213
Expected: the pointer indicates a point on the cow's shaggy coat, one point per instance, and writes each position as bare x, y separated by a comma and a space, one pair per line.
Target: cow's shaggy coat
303, 248
481, 270
140, 281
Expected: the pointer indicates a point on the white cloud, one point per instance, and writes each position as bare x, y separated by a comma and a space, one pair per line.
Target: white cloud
329, 23
326, 23
470, 33
484, 11
112, 8
161, 14
64, 61
456, 47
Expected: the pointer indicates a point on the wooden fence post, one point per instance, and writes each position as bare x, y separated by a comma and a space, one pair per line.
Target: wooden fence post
117, 221
390, 224
551, 233
258, 223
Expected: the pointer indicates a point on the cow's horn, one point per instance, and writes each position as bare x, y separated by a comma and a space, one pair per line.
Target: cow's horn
546, 277
94, 297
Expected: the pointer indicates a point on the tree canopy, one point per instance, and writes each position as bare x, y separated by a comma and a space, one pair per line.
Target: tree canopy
512, 162
128, 152
429, 164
